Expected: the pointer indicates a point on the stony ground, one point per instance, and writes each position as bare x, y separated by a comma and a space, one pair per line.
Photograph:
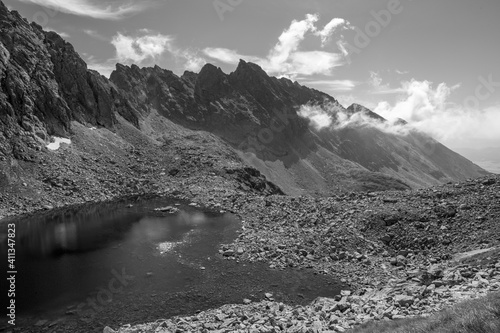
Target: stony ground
395, 250
398, 251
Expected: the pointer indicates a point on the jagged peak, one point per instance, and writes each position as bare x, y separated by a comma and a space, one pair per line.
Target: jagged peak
400, 121
6, 14
355, 108
162, 70
134, 67
54, 38
189, 73
121, 68
241, 65
210, 74
209, 68
246, 67
190, 78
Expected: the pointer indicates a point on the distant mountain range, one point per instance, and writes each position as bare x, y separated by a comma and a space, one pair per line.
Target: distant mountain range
303, 140
481, 154
488, 158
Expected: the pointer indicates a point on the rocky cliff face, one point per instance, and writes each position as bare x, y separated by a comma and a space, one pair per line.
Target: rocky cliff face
45, 86
30, 101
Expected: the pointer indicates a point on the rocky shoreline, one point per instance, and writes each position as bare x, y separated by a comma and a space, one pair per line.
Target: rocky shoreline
393, 250
389, 280
397, 300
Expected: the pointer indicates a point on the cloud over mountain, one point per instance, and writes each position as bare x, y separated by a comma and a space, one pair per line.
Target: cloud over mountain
146, 48
428, 109
139, 49
333, 117
287, 58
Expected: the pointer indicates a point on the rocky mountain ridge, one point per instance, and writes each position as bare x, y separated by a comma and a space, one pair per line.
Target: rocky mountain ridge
258, 116
46, 86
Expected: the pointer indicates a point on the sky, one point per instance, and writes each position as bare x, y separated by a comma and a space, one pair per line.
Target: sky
434, 63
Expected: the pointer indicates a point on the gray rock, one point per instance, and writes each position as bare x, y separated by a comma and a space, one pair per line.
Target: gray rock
108, 329
403, 300
401, 260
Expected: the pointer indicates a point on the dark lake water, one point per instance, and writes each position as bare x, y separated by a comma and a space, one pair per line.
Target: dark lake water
110, 264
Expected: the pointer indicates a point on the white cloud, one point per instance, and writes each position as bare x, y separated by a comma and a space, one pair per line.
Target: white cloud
139, 49
318, 116
330, 28
225, 55
429, 110
95, 34
106, 10
336, 85
192, 62
422, 102
144, 49
375, 79
286, 58
151, 47
333, 117
289, 41
229, 56
60, 33
313, 62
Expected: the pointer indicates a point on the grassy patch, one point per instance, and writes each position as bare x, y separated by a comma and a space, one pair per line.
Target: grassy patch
474, 316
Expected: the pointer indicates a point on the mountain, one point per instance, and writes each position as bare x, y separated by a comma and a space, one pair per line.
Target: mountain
257, 115
44, 85
47, 90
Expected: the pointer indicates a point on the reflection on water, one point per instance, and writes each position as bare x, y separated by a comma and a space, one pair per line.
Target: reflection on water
63, 257
94, 227
106, 265
73, 231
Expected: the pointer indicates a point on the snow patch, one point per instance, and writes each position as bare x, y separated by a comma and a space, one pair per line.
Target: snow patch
57, 143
